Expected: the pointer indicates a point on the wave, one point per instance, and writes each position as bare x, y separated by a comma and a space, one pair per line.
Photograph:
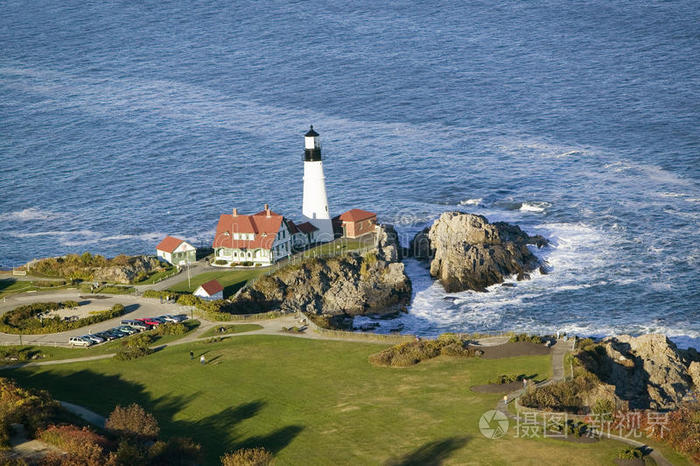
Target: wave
475, 201
83, 237
534, 206
31, 213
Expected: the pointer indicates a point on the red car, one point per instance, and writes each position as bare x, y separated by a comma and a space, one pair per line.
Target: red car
150, 321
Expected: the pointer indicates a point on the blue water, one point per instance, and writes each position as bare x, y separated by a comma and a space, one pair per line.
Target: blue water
121, 122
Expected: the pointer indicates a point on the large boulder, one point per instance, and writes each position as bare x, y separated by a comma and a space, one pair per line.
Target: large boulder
136, 266
466, 252
645, 372
352, 284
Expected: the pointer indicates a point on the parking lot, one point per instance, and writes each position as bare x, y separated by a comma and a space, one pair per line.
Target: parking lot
137, 308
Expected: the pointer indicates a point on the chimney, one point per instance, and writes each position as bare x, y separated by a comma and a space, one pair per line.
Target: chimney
235, 212
267, 209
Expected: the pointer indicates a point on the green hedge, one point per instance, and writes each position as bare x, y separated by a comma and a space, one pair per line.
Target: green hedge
23, 319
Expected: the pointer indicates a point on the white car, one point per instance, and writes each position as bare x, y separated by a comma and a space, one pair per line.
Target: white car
174, 319
80, 341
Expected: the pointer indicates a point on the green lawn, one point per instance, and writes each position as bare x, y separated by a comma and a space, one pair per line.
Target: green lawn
230, 279
315, 402
230, 329
9, 286
157, 276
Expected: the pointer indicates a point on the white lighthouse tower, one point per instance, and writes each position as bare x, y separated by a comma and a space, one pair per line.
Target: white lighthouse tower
315, 208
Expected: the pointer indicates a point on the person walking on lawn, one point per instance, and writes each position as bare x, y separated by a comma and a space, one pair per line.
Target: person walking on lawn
202, 360
191, 355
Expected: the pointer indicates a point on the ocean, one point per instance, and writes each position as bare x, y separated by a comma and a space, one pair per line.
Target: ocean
121, 122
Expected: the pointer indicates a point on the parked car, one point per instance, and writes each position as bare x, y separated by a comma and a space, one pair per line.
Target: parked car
95, 338
151, 321
137, 324
106, 335
176, 319
80, 341
127, 329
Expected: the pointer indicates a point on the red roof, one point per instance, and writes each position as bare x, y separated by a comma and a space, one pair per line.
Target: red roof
169, 244
307, 227
212, 287
356, 215
264, 228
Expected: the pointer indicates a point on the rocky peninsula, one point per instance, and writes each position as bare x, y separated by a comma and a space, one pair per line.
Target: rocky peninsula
351, 284
466, 252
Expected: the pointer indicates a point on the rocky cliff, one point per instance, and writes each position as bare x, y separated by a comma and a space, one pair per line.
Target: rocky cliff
466, 252
352, 284
648, 371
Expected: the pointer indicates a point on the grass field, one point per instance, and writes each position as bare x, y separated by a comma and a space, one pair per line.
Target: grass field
9, 286
315, 402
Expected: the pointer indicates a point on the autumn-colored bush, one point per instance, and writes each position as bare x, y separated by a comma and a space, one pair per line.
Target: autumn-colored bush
680, 429
413, 352
33, 408
247, 457
132, 422
67, 436
174, 452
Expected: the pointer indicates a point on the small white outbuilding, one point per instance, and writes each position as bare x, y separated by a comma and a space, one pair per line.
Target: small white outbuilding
210, 290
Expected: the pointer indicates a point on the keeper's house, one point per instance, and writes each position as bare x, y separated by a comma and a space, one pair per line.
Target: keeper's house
303, 235
176, 251
355, 223
251, 240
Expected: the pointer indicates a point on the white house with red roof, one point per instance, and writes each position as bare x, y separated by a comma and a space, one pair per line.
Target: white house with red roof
176, 251
210, 290
303, 235
246, 240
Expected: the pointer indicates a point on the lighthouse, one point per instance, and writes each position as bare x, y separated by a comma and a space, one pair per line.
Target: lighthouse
315, 208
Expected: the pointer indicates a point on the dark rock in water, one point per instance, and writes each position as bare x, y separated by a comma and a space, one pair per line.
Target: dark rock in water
466, 252
508, 285
450, 298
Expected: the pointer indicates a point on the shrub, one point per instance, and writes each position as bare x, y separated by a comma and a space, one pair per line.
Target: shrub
170, 329
134, 347
220, 262
524, 337
132, 422
188, 300
604, 408
506, 379
564, 395
247, 457
24, 319
630, 453
176, 451
33, 408
413, 352
70, 437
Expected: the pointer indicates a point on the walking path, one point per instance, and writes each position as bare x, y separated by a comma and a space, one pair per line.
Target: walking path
559, 351
84, 413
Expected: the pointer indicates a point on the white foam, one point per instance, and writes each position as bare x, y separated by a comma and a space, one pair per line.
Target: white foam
29, 214
83, 237
534, 206
475, 201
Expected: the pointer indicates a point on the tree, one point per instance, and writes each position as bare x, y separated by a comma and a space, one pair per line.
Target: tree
247, 457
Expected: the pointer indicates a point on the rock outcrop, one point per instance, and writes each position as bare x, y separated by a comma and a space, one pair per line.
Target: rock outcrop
645, 372
466, 252
352, 284
127, 273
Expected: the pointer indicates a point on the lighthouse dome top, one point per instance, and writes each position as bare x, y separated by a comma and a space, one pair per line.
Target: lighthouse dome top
311, 133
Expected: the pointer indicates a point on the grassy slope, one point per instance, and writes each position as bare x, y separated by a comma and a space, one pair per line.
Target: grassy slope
314, 402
